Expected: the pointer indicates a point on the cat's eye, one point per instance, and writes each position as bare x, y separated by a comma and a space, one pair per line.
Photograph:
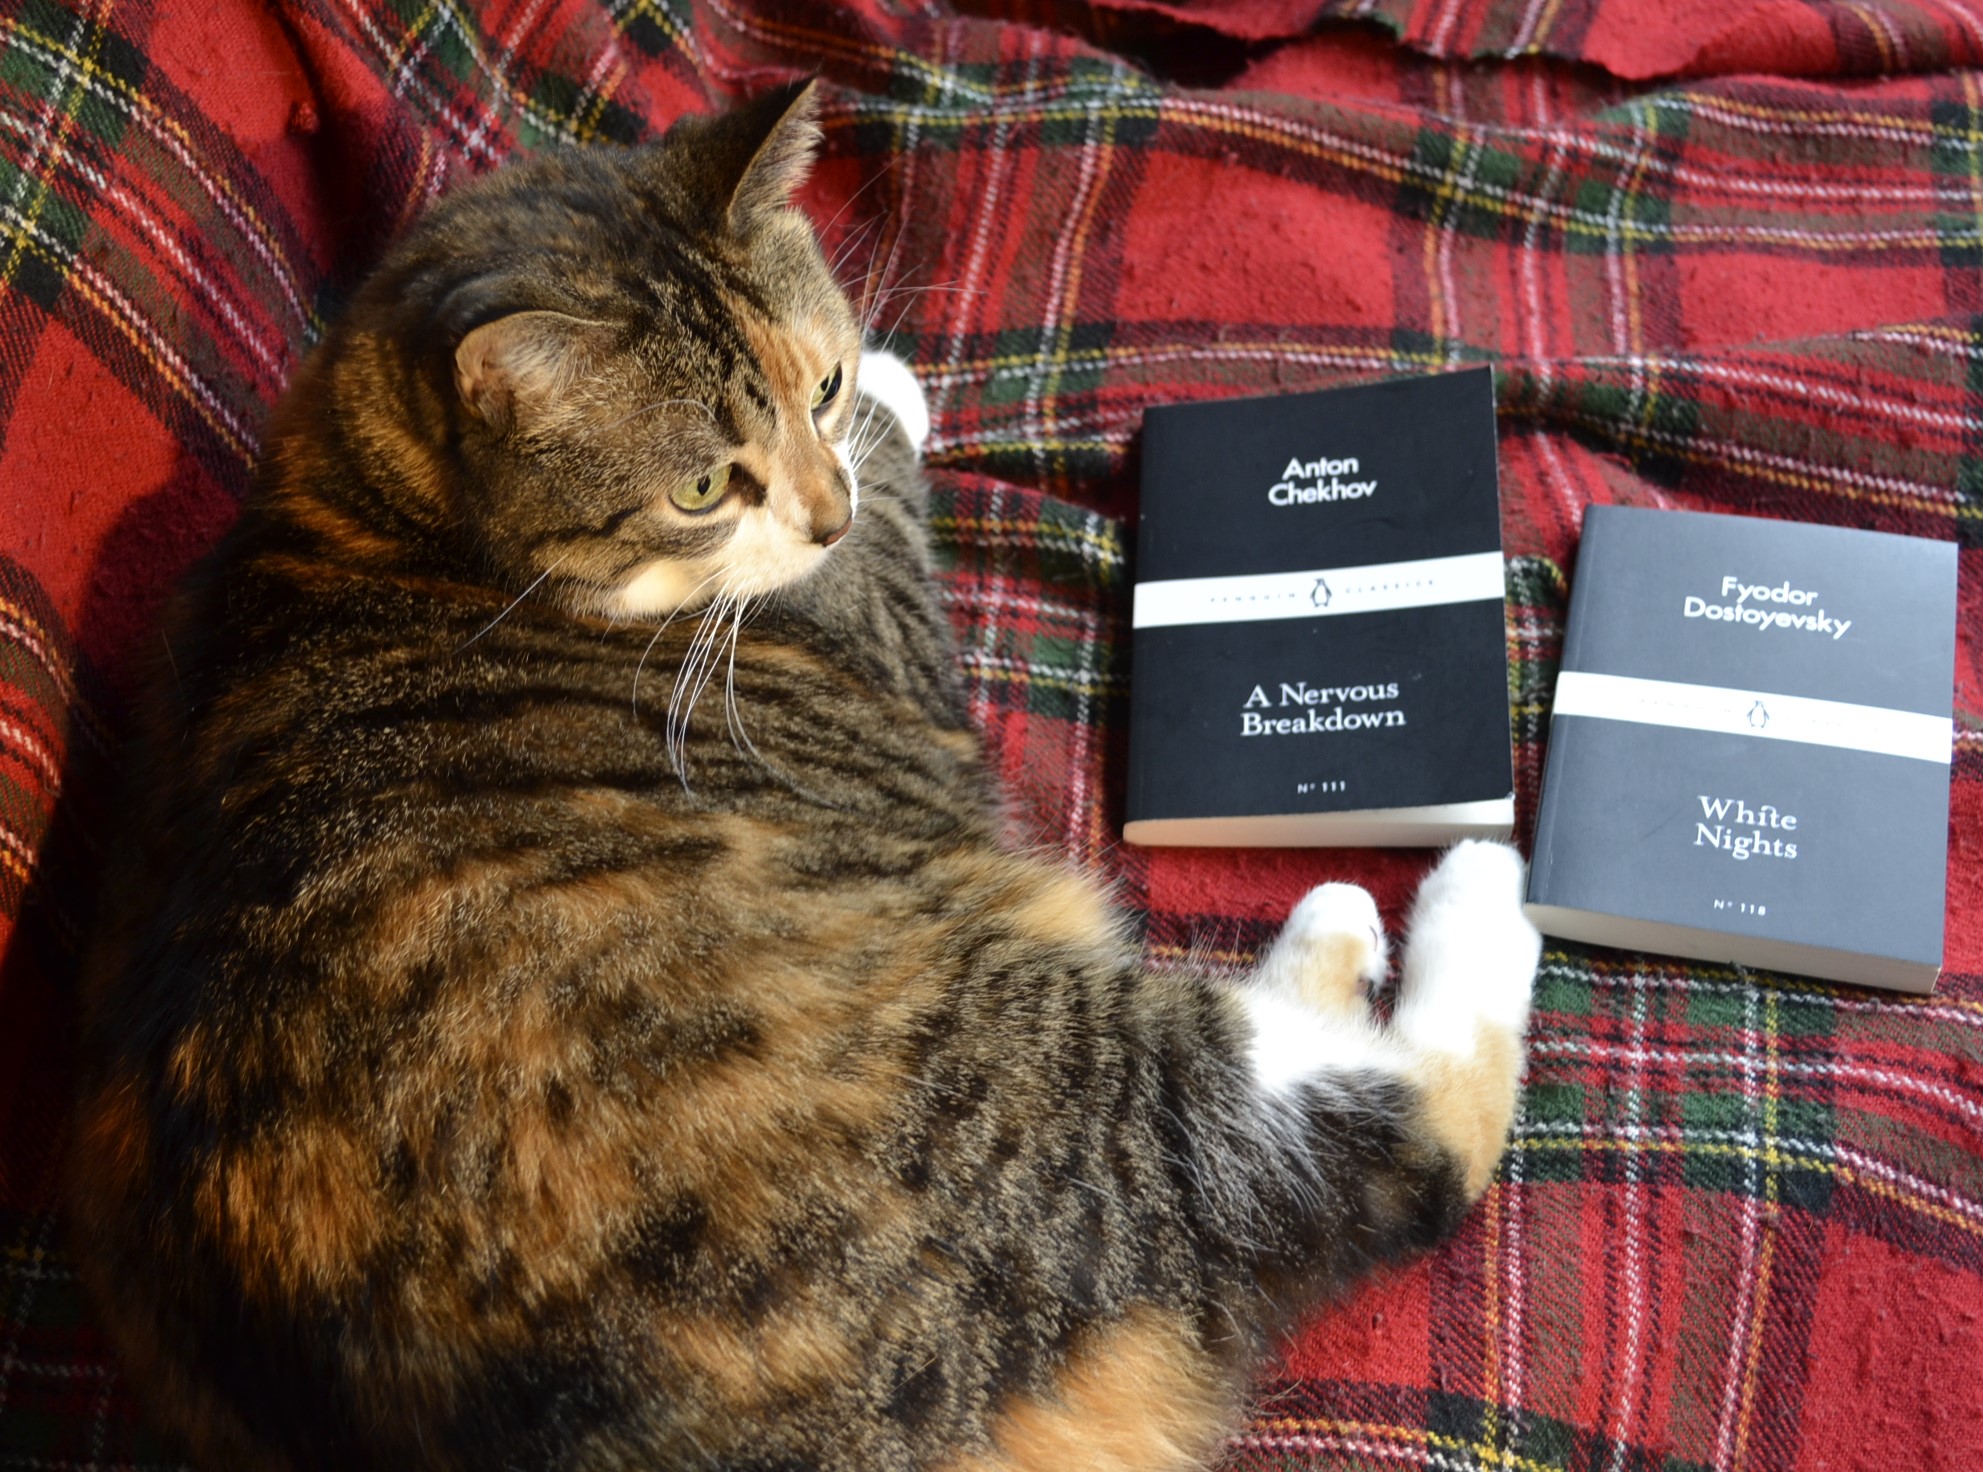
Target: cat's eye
826, 390
704, 491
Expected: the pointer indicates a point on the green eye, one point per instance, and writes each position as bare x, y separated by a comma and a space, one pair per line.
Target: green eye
828, 387
703, 492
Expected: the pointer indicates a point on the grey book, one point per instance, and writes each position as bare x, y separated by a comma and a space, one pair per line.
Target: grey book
1749, 749
1319, 653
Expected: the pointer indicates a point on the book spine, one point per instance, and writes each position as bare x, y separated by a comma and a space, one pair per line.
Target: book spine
1156, 444
1590, 557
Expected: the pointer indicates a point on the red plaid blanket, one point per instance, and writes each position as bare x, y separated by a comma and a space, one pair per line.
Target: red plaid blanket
1741, 1225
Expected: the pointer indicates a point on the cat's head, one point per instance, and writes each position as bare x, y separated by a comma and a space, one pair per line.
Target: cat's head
634, 371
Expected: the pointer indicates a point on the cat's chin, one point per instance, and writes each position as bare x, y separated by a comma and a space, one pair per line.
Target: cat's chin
761, 557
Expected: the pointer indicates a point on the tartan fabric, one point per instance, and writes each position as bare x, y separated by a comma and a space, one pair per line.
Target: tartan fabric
1741, 1225
1631, 38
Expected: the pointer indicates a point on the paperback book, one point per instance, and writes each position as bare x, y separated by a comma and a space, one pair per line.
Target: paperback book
1318, 654
1749, 749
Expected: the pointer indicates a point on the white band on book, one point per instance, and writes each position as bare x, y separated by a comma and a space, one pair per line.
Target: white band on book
1760, 713
1319, 592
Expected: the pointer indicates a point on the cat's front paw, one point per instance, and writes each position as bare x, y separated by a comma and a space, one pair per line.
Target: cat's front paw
1331, 952
887, 379
1472, 953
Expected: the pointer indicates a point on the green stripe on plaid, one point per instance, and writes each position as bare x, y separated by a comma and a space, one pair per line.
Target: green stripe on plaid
1304, 1425
1742, 294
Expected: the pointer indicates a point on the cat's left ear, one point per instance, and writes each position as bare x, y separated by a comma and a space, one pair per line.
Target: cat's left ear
776, 136
519, 368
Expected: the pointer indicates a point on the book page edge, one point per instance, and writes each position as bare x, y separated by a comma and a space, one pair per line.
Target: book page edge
1423, 827
1660, 937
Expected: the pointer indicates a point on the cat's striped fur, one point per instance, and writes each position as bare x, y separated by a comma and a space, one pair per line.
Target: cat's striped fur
483, 1070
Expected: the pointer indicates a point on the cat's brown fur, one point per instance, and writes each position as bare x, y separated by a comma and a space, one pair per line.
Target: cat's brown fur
483, 1072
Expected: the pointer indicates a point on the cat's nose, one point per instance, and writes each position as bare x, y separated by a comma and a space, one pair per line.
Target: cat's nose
827, 539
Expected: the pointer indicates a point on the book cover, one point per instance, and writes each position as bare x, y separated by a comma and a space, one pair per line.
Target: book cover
1749, 750
1318, 651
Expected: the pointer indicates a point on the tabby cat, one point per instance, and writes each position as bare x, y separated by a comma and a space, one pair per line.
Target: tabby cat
495, 1058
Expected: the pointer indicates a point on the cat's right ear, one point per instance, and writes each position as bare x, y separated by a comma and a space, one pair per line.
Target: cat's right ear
786, 125
519, 369
765, 149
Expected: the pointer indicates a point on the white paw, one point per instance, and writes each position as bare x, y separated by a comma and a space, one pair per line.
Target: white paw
1331, 910
1472, 954
1473, 871
887, 378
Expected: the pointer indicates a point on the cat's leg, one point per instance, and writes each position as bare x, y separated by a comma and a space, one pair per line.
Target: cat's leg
1463, 1004
1363, 1141
1330, 954
1308, 1000
1454, 1048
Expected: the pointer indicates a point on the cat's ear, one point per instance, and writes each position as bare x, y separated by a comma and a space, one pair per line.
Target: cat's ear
773, 139
519, 368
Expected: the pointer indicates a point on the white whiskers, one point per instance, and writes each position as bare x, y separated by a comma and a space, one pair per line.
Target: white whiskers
510, 607
865, 436
661, 629
658, 404
712, 646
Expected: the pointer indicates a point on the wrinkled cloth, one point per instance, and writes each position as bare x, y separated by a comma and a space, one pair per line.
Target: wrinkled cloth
1722, 255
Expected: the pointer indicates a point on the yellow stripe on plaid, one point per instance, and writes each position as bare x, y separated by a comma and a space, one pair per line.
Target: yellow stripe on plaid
1579, 966
991, 667
135, 102
33, 635
1484, 1454
124, 318
1066, 311
1766, 1258
1397, 167
61, 117
1913, 129
1032, 532
1745, 460
503, 92
980, 448
1776, 1158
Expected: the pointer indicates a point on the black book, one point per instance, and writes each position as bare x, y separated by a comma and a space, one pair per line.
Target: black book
1318, 654
1749, 752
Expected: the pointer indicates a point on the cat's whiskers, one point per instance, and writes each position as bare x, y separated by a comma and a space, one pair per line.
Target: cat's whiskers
697, 669
824, 230
865, 314
675, 736
733, 712
875, 438
855, 432
715, 626
733, 718
871, 308
535, 583
889, 294
870, 301
873, 433
850, 244
658, 404
661, 629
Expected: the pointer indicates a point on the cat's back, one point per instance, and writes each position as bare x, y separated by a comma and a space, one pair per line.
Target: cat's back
547, 1014
450, 1000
